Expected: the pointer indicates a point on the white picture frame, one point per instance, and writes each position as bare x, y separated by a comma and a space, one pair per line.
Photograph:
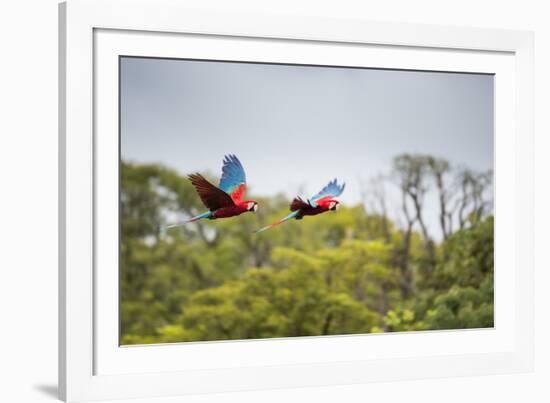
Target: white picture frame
94, 33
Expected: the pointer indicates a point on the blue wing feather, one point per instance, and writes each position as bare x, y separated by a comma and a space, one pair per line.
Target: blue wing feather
333, 189
232, 174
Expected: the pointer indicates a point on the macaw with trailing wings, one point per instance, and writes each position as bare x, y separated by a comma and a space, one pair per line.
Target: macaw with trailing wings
226, 200
323, 201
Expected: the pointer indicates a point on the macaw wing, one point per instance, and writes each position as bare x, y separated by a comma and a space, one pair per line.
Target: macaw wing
212, 197
332, 189
233, 180
298, 203
288, 217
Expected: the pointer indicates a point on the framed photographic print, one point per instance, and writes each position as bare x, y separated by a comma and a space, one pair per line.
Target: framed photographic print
260, 201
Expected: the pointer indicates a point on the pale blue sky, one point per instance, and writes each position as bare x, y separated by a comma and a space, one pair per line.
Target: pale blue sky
296, 127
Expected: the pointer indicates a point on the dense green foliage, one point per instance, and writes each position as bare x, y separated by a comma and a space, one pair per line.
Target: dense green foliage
337, 273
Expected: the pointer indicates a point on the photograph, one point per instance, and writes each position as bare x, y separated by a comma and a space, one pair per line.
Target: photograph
264, 200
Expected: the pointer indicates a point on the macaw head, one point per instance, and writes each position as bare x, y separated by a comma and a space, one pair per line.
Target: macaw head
251, 205
329, 203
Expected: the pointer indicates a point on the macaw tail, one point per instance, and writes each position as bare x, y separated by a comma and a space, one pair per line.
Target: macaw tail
288, 217
196, 218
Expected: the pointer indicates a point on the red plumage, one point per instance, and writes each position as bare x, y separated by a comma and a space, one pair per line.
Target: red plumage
238, 193
213, 197
221, 204
305, 209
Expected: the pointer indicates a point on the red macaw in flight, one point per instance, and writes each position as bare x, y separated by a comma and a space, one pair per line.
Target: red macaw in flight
320, 203
226, 200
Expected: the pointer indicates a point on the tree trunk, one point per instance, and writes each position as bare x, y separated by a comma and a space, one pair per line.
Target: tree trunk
406, 283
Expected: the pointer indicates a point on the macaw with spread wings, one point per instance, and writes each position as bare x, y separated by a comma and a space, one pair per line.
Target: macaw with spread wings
226, 200
321, 202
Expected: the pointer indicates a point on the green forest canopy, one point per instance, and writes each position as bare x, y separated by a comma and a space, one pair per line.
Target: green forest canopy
353, 271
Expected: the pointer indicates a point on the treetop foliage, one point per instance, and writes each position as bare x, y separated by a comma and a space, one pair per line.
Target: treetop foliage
353, 271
